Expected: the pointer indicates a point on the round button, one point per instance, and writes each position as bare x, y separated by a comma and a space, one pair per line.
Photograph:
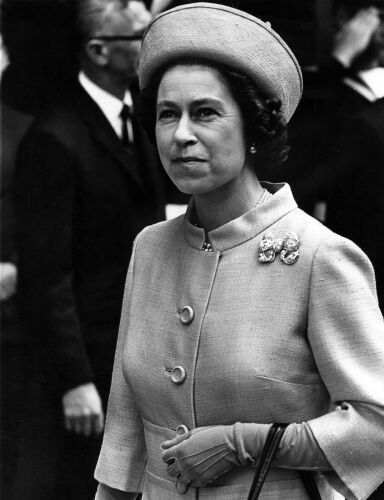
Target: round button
181, 429
187, 314
178, 375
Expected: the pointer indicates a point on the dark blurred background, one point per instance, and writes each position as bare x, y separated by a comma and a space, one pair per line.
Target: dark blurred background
38, 39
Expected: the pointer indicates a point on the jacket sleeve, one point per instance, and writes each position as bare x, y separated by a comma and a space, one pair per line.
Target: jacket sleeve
346, 333
123, 455
45, 188
106, 493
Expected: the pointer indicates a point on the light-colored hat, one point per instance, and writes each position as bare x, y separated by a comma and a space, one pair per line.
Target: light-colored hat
228, 36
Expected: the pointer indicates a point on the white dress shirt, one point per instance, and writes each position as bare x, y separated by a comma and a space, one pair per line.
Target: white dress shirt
110, 105
370, 84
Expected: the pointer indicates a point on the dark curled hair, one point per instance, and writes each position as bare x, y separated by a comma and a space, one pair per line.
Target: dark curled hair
264, 123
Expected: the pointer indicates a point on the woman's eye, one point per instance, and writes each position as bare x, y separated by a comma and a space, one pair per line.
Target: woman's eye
165, 114
206, 112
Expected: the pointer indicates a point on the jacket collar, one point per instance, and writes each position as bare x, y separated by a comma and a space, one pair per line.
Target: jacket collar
248, 225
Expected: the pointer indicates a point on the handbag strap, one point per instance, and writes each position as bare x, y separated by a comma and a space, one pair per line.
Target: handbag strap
274, 436
310, 485
272, 442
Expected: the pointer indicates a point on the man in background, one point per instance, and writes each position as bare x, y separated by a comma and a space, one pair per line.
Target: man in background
355, 202
14, 347
87, 182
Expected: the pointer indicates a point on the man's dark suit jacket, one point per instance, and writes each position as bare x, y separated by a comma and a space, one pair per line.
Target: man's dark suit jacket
356, 203
313, 133
82, 199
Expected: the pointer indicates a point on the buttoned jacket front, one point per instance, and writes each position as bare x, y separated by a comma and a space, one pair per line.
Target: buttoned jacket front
219, 337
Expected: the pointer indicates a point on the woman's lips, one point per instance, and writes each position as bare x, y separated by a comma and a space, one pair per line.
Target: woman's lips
188, 159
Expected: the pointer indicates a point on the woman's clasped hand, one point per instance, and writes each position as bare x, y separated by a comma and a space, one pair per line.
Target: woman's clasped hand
203, 454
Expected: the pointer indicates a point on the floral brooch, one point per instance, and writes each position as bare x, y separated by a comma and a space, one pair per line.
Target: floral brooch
287, 247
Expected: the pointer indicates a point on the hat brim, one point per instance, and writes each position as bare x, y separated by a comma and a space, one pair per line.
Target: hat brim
228, 36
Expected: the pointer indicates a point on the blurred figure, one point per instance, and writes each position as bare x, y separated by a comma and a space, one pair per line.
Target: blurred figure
14, 344
158, 6
355, 206
87, 183
348, 82
358, 42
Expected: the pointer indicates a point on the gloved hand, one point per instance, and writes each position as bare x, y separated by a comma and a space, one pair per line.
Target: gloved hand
201, 455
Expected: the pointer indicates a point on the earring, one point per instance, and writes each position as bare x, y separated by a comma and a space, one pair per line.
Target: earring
253, 149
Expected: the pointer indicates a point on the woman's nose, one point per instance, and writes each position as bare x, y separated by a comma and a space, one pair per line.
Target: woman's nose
184, 132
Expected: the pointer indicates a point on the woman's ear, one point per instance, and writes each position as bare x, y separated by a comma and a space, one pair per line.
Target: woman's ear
97, 52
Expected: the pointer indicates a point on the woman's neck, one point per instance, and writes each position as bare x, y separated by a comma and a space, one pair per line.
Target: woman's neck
230, 201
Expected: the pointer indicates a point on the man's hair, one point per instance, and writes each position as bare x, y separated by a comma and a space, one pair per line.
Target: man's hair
91, 15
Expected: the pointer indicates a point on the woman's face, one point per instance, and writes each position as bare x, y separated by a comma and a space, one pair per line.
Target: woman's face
199, 129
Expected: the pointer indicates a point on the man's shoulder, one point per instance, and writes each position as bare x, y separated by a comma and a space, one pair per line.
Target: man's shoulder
66, 113
372, 114
58, 117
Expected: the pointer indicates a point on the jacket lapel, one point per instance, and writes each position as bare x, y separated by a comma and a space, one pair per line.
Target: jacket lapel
147, 152
104, 133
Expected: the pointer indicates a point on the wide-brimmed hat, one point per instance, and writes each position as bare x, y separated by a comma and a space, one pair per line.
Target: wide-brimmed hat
228, 36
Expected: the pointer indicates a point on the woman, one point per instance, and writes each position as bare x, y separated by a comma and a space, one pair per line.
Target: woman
246, 311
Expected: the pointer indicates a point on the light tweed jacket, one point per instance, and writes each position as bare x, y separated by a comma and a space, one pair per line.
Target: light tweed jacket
267, 342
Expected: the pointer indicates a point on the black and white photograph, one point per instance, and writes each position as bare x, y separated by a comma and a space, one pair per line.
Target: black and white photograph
192, 250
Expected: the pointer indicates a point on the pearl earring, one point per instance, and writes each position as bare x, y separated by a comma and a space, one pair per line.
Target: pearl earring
253, 149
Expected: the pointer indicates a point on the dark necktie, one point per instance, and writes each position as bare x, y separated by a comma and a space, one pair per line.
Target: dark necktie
125, 115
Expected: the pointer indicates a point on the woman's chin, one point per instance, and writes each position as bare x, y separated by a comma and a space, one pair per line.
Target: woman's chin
191, 187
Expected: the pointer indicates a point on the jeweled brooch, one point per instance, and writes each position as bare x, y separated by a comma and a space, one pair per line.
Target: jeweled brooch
287, 247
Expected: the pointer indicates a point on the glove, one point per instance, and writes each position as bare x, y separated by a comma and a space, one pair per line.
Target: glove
201, 455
